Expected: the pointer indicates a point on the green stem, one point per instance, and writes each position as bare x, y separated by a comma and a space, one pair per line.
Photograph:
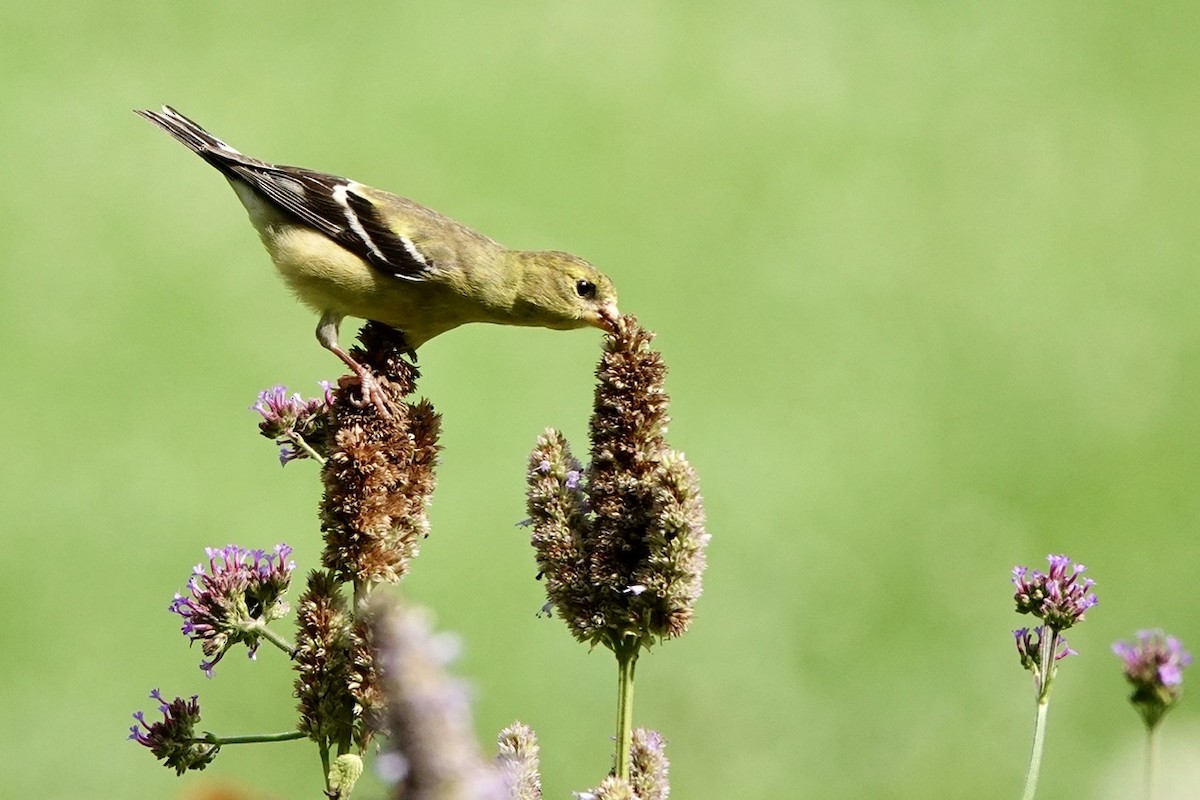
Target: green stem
221, 741
1151, 760
1035, 757
299, 441
274, 638
1046, 648
626, 651
324, 744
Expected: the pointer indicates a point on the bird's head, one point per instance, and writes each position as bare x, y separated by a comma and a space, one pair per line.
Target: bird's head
562, 291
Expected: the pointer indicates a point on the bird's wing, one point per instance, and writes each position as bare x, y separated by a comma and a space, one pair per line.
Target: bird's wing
338, 208
334, 206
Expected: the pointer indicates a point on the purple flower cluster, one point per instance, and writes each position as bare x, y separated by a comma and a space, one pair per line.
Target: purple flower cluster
293, 420
1154, 666
1060, 597
233, 599
173, 740
1154, 659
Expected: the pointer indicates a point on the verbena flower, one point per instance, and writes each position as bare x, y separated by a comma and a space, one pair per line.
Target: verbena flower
173, 739
233, 599
621, 543
1060, 598
379, 475
297, 425
1029, 645
518, 762
1154, 666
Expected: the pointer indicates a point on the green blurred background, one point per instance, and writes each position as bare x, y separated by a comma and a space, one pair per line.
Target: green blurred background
924, 275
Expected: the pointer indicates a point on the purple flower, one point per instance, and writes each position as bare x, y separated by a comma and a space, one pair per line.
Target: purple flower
173, 741
293, 420
1154, 666
1060, 598
232, 601
1029, 648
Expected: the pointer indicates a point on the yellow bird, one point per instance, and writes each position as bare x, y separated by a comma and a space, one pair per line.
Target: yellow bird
346, 249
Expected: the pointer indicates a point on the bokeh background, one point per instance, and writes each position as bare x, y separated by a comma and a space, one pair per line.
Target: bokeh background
925, 276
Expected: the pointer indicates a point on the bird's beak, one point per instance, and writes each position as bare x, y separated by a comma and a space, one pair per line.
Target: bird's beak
607, 316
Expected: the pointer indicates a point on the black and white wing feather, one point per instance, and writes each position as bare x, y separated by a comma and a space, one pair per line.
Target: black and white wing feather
332, 205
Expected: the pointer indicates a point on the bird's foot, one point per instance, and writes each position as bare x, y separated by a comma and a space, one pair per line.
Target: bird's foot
369, 385
372, 392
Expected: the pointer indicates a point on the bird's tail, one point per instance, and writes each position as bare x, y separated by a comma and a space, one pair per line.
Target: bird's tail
186, 131
225, 158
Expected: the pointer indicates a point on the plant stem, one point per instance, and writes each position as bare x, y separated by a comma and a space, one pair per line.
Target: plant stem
299, 441
324, 745
286, 736
1046, 649
275, 639
1151, 760
626, 651
1035, 757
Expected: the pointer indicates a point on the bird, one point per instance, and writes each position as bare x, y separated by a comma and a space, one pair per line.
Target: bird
347, 249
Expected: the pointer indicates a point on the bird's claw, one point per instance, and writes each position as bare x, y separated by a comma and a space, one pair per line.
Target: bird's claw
372, 394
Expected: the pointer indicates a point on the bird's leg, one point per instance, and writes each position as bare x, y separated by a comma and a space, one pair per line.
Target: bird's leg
372, 392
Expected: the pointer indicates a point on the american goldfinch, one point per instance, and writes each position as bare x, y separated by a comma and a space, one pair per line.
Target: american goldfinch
346, 249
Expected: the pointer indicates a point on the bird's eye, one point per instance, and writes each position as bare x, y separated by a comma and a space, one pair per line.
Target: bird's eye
585, 289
